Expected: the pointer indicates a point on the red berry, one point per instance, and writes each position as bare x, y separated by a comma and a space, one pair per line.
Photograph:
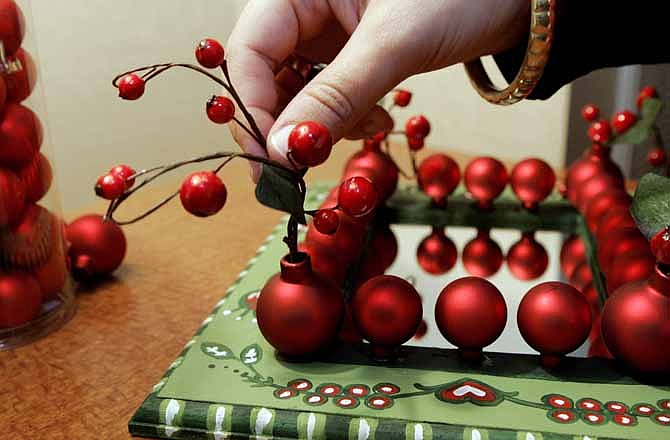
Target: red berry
402, 98
380, 136
600, 131
660, 245
110, 186
326, 221
203, 194
357, 196
124, 172
309, 143
417, 127
209, 53
590, 112
646, 92
623, 120
220, 110
131, 87
415, 143
656, 156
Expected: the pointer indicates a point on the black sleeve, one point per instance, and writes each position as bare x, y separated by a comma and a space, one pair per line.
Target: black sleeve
593, 34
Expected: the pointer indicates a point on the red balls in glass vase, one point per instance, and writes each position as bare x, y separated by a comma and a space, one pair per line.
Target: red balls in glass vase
20, 83
203, 194
20, 136
532, 180
299, 313
12, 198
482, 256
485, 179
387, 311
573, 252
437, 253
471, 314
554, 319
20, 299
36, 177
12, 26
97, 248
438, 176
527, 259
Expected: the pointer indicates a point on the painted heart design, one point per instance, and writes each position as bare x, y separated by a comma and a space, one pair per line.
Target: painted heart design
469, 391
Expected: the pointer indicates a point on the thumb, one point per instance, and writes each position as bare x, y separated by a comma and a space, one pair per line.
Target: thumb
346, 90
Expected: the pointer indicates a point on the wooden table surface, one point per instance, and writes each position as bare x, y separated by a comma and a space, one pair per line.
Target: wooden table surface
86, 380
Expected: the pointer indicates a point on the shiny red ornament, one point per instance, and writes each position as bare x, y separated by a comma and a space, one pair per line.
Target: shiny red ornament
660, 245
614, 221
209, 53
619, 243
220, 109
325, 262
582, 276
12, 198
623, 120
635, 324
657, 156
12, 26
96, 248
600, 132
52, 275
417, 127
357, 196
378, 167
527, 259
36, 178
203, 194
110, 186
20, 136
603, 203
590, 189
124, 172
631, 267
471, 313
299, 313
590, 112
309, 144
597, 160
20, 84
646, 93
532, 180
438, 176
573, 252
482, 256
347, 242
436, 253
554, 319
402, 98
387, 311
131, 87
380, 254
326, 221
20, 299
485, 178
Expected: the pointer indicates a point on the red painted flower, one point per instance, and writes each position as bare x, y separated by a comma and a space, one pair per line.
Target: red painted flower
285, 393
358, 390
329, 389
562, 416
616, 407
314, 399
643, 409
469, 390
379, 401
625, 419
300, 385
594, 418
664, 404
662, 419
386, 388
347, 402
589, 405
557, 401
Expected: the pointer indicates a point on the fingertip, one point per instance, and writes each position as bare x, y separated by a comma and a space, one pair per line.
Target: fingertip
278, 143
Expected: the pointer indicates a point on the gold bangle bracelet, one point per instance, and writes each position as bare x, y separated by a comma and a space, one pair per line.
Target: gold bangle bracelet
537, 54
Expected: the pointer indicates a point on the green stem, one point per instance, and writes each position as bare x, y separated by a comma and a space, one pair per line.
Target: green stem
412, 394
525, 402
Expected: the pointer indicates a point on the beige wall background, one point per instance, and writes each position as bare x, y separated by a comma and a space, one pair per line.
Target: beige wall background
83, 44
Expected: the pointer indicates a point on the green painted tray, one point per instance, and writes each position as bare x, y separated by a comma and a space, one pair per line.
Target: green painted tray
228, 383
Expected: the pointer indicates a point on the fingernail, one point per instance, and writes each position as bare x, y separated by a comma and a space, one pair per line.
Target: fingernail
254, 172
279, 142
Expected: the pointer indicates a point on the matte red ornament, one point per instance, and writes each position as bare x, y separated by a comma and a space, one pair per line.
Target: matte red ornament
554, 319
573, 253
28, 243
438, 176
309, 144
590, 189
209, 53
645, 93
532, 180
482, 256
346, 243
471, 313
581, 276
380, 254
203, 194
660, 245
299, 313
97, 248
220, 109
131, 87
378, 167
417, 127
615, 220
590, 112
623, 120
436, 253
12, 26
485, 179
635, 324
20, 84
657, 156
357, 196
20, 299
603, 203
387, 311
600, 131
36, 177
634, 266
527, 259
618, 243
20, 136
12, 198
402, 98
595, 161
325, 262
52, 275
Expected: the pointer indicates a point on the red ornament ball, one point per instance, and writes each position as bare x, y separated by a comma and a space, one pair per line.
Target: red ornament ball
96, 247
387, 311
618, 243
209, 53
377, 166
28, 243
402, 98
600, 132
596, 161
554, 318
646, 93
482, 257
36, 178
635, 324
417, 127
615, 220
20, 84
623, 120
347, 242
220, 109
657, 156
631, 267
590, 189
299, 313
380, 254
357, 196
438, 176
660, 245
12, 26
52, 275
20, 299
124, 172
527, 259
131, 87
485, 179
532, 180
12, 198
582, 276
20, 136
110, 186
471, 313
590, 112
203, 194
573, 253
326, 221
325, 262
603, 203
436, 253
309, 144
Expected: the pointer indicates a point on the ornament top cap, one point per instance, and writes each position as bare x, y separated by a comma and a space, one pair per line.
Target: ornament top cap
296, 270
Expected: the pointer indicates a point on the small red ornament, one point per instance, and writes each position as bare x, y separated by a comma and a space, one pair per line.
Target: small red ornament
482, 257
615, 220
12, 26
635, 324
590, 112
20, 136
417, 127
527, 259
660, 245
471, 313
20, 299
220, 109
380, 254
657, 156
603, 203
623, 120
326, 221
554, 319
402, 98
596, 160
131, 87
387, 311
637, 265
600, 132
324, 262
485, 179
124, 172
590, 189
21, 83
347, 242
573, 253
618, 243
203, 194
96, 247
357, 196
438, 176
110, 186
36, 178
436, 253
209, 53
12, 198
532, 180
299, 313
379, 168
309, 144
645, 93
581, 276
